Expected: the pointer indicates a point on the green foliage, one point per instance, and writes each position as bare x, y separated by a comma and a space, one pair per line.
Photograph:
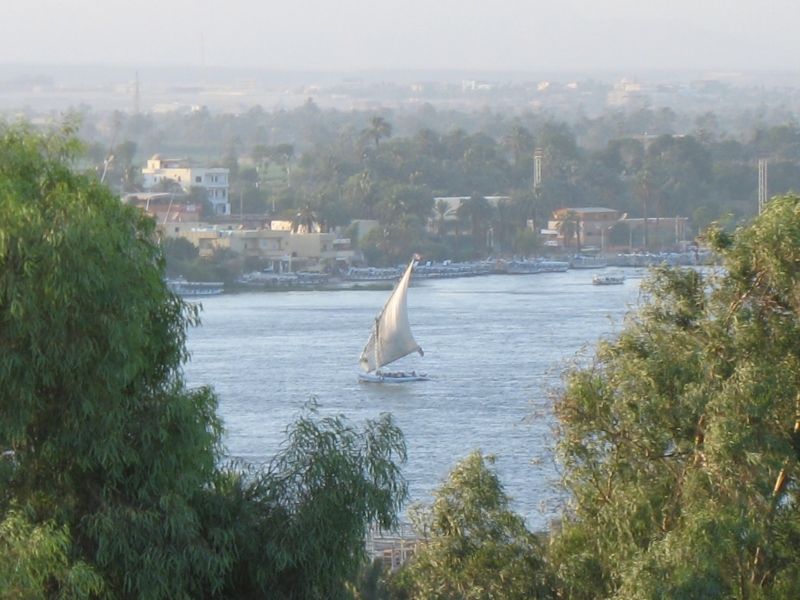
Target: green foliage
700, 166
679, 442
475, 546
178, 249
98, 433
111, 483
526, 242
298, 527
391, 246
620, 235
35, 562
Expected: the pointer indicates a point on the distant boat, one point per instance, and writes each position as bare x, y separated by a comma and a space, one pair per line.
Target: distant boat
582, 261
608, 279
532, 267
181, 287
391, 339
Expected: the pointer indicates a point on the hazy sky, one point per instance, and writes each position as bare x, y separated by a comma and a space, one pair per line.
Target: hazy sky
522, 35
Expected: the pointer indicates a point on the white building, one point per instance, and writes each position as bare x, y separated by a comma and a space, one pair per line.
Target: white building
215, 180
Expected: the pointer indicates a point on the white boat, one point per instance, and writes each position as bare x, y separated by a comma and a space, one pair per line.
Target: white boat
583, 261
391, 339
182, 287
608, 279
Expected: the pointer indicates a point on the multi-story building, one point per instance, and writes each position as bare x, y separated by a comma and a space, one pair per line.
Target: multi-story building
293, 251
591, 227
214, 180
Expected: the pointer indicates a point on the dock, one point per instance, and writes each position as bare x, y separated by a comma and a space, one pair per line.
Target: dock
393, 548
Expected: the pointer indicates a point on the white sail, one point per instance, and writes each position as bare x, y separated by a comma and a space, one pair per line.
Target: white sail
391, 337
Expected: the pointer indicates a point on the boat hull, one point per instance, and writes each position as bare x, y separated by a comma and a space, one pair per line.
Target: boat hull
391, 377
609, 280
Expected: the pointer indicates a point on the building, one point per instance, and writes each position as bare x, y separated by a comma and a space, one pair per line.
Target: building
215, 180
251, 236
593, 226
173, 212
284, 250
661, 231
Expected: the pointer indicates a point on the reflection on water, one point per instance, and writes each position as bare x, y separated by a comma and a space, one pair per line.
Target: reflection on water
494, 347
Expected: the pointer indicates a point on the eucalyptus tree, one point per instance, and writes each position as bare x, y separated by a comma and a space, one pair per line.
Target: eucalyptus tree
125, 173
475, 546
682, 171
679, 441
113, 478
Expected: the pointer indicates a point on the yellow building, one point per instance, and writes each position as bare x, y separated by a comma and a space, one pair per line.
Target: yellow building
293, 251
592, 226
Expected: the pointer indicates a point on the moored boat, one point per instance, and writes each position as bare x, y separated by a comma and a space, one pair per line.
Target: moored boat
181, 287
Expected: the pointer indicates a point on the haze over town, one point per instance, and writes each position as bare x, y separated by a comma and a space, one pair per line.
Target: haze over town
504, 35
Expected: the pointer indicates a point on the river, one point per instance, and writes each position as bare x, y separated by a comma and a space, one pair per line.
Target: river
494, 348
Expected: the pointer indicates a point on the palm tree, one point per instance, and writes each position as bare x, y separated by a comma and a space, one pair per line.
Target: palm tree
378, 128
364, 194
503, 222
518, 140
283, 154
444, 212
479, 212
569, 227
305, 218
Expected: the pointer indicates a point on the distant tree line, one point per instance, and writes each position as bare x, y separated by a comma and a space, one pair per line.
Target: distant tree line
325, 168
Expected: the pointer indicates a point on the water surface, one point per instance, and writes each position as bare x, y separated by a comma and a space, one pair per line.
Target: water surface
494, 348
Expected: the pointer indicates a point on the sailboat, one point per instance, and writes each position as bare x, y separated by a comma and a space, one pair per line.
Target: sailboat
391, 338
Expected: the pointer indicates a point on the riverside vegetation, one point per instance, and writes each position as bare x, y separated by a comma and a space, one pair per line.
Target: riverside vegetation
679, 443
323, 169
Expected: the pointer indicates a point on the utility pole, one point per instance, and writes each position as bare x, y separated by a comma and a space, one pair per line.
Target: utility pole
537, 180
